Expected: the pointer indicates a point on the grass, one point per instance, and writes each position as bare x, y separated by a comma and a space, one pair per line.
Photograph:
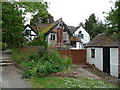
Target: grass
59, 82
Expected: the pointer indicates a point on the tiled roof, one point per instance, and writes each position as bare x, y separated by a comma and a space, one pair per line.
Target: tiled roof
41, 26
104, 40
46, 29
34, 28
72, 29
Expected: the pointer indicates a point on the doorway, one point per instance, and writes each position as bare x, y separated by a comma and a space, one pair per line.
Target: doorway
106, 60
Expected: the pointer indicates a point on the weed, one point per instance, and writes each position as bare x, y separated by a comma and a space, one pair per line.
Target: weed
41, 63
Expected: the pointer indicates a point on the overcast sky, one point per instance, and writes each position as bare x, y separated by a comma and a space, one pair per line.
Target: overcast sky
75, 11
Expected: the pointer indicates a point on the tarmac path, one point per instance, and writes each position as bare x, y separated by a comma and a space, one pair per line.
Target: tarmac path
11, 76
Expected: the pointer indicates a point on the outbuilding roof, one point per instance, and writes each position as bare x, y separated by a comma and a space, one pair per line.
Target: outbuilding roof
75, 39
104, 40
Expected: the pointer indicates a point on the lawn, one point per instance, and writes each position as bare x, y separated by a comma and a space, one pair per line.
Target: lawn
59, 82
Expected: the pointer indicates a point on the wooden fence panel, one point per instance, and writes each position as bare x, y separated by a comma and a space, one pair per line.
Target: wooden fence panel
77, 56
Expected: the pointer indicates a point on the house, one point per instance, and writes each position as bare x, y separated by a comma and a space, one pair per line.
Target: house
81, 34
75, 41
104, 52
57, 33
32, 31
29, 31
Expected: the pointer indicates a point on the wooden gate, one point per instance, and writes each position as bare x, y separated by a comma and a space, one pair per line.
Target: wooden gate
77, 56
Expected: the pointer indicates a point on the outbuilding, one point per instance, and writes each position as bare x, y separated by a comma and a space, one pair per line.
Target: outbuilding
104, 52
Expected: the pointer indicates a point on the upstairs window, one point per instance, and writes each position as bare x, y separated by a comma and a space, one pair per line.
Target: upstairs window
52, 37
80, 35
28, 32
92, 53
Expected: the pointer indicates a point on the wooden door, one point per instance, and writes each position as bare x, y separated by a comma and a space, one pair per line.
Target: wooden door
106, 60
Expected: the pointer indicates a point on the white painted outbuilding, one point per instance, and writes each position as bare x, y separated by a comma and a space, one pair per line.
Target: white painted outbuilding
104, 52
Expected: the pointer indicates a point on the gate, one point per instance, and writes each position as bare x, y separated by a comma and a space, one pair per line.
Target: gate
77, 56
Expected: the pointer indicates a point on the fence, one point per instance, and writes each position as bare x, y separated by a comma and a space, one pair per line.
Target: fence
77, 56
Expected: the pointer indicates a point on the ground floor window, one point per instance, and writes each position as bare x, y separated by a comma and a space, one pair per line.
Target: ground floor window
73, 44
92, 53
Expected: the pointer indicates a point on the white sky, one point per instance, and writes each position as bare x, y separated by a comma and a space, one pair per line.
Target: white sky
75, 11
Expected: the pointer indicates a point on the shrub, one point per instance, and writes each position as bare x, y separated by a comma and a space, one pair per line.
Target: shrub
39, 41
2, 46
41, 63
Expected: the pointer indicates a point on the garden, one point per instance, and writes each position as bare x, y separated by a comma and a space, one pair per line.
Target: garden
38, 65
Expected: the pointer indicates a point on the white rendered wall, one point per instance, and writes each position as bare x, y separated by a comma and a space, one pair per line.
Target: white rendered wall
114, 62
98, 60
86, 38
33, 33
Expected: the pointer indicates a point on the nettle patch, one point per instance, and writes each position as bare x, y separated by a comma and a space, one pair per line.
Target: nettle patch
41, 63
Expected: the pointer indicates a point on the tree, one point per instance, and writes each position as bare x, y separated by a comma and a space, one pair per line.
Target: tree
82, 24
113, 21
41, 18
12, 24
13, 20
93, 26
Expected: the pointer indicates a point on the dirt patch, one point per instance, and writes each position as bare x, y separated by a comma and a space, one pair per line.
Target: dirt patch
64, 74
82, 73
97, 73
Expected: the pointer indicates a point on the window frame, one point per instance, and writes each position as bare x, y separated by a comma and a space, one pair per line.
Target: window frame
53, 37
92, 53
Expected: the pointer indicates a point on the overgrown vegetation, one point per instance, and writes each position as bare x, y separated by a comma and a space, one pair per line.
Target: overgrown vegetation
39, 41
13, 19
57, 82
2, 46
94, 26
113, 20
41, 63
